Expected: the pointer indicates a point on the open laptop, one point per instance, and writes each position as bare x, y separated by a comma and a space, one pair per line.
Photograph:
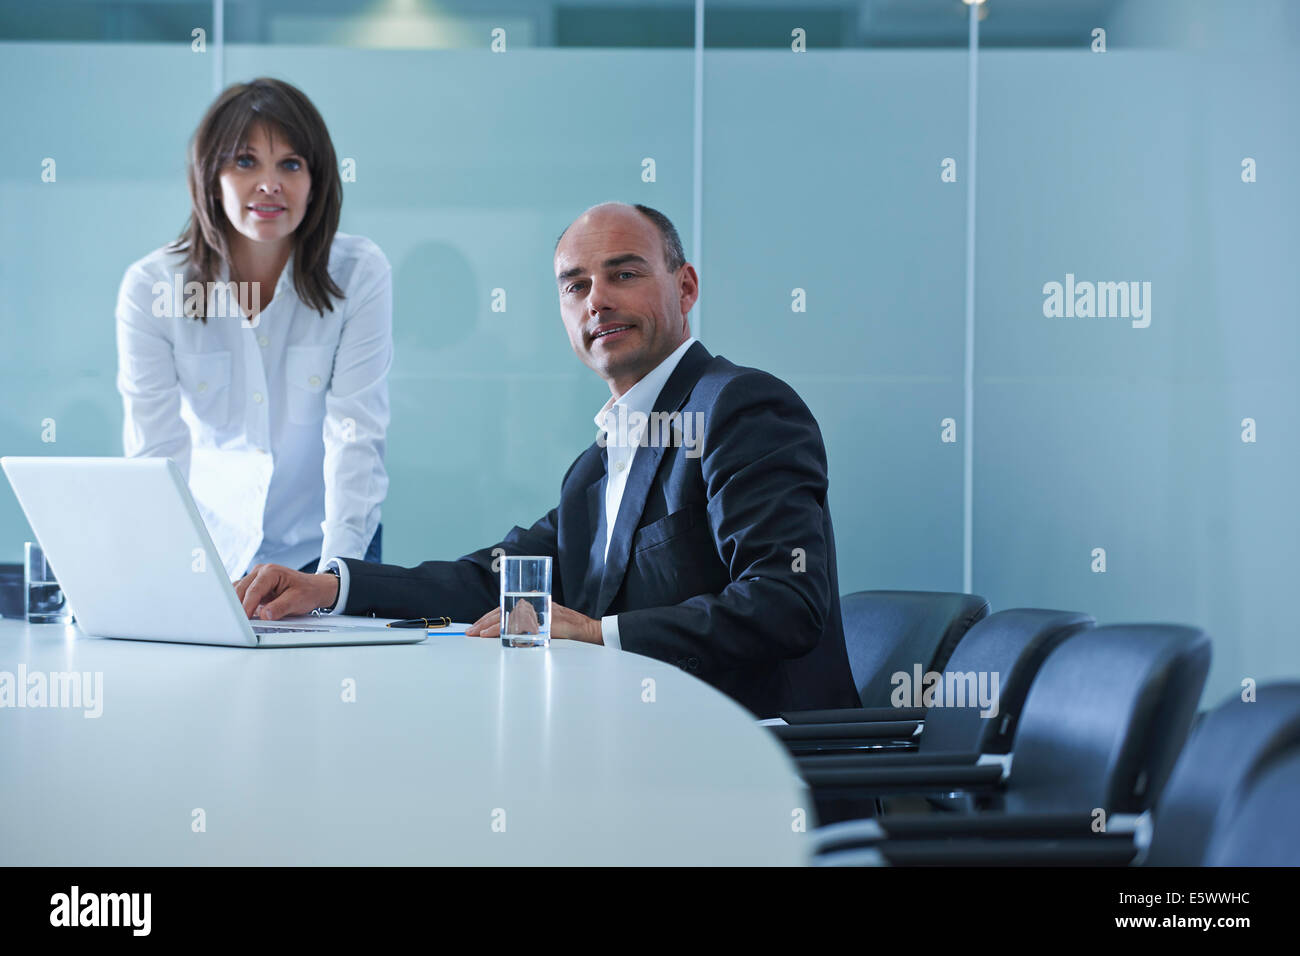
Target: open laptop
135, 561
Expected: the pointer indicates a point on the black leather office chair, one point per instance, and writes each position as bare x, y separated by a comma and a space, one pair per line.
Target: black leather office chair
1101, 728
1230, 801
1266, 829
889, 631
1012, 644
1198, 823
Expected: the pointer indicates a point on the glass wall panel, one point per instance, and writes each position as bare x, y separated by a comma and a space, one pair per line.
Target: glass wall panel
1137, 459
99, 102
834, 257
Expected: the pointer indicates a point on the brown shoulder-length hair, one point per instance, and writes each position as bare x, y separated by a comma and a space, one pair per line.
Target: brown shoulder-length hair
222, 135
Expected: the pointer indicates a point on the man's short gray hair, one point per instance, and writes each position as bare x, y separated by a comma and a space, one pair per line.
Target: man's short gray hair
674, 256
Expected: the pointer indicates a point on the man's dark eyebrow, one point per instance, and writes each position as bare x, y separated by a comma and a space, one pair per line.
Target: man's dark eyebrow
608, 264
624, 259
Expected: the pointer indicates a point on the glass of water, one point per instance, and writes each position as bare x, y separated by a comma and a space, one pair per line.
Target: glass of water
43, 599
525, 601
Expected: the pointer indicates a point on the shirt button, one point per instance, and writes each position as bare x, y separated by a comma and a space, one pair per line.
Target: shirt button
257, 397
263, 341
620, 466
203, 386
314, 380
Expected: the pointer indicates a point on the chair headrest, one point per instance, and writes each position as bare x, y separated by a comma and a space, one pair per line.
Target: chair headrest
1225, 752
1106, 717
1013, 645
888, 631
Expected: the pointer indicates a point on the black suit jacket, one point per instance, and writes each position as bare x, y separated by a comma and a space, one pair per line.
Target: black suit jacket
722, 560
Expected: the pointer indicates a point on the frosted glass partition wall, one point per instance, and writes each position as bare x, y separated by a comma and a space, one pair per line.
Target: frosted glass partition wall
1138, 459
92, 176
834, 257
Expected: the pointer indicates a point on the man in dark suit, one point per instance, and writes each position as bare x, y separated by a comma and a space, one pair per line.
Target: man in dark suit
694, 530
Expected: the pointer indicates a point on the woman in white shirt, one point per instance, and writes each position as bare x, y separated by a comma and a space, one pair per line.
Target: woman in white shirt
254, 350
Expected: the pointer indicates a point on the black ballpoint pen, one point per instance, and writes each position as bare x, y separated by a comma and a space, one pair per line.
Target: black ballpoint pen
426, 622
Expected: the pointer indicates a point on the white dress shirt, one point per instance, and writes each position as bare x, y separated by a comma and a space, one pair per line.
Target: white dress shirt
278, 424
620, 449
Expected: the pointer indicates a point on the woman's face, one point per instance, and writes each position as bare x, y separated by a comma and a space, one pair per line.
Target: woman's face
265, 188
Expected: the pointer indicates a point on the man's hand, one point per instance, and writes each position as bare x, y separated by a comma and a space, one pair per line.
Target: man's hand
272, 591
565, 625
523, 619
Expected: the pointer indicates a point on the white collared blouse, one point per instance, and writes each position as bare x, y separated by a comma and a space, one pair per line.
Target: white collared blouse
278, 423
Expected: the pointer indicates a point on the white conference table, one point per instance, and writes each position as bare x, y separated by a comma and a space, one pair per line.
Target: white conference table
455, 751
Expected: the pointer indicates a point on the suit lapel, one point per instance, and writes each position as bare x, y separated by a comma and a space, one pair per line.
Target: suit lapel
645, 464
596, 554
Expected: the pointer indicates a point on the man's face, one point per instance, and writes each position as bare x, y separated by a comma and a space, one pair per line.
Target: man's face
623, 310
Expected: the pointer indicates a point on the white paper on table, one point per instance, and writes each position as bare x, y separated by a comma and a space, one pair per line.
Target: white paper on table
359, 621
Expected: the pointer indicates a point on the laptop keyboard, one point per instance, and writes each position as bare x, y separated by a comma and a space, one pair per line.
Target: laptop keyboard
272, 629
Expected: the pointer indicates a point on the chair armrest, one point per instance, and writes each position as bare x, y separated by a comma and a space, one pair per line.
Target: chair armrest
987, 825
850, 715
893, 780
1097, 850
900, 828
877, 759
878, 730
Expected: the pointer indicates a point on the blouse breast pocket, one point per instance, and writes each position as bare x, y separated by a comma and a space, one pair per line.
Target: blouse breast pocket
205, 384
308, 370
